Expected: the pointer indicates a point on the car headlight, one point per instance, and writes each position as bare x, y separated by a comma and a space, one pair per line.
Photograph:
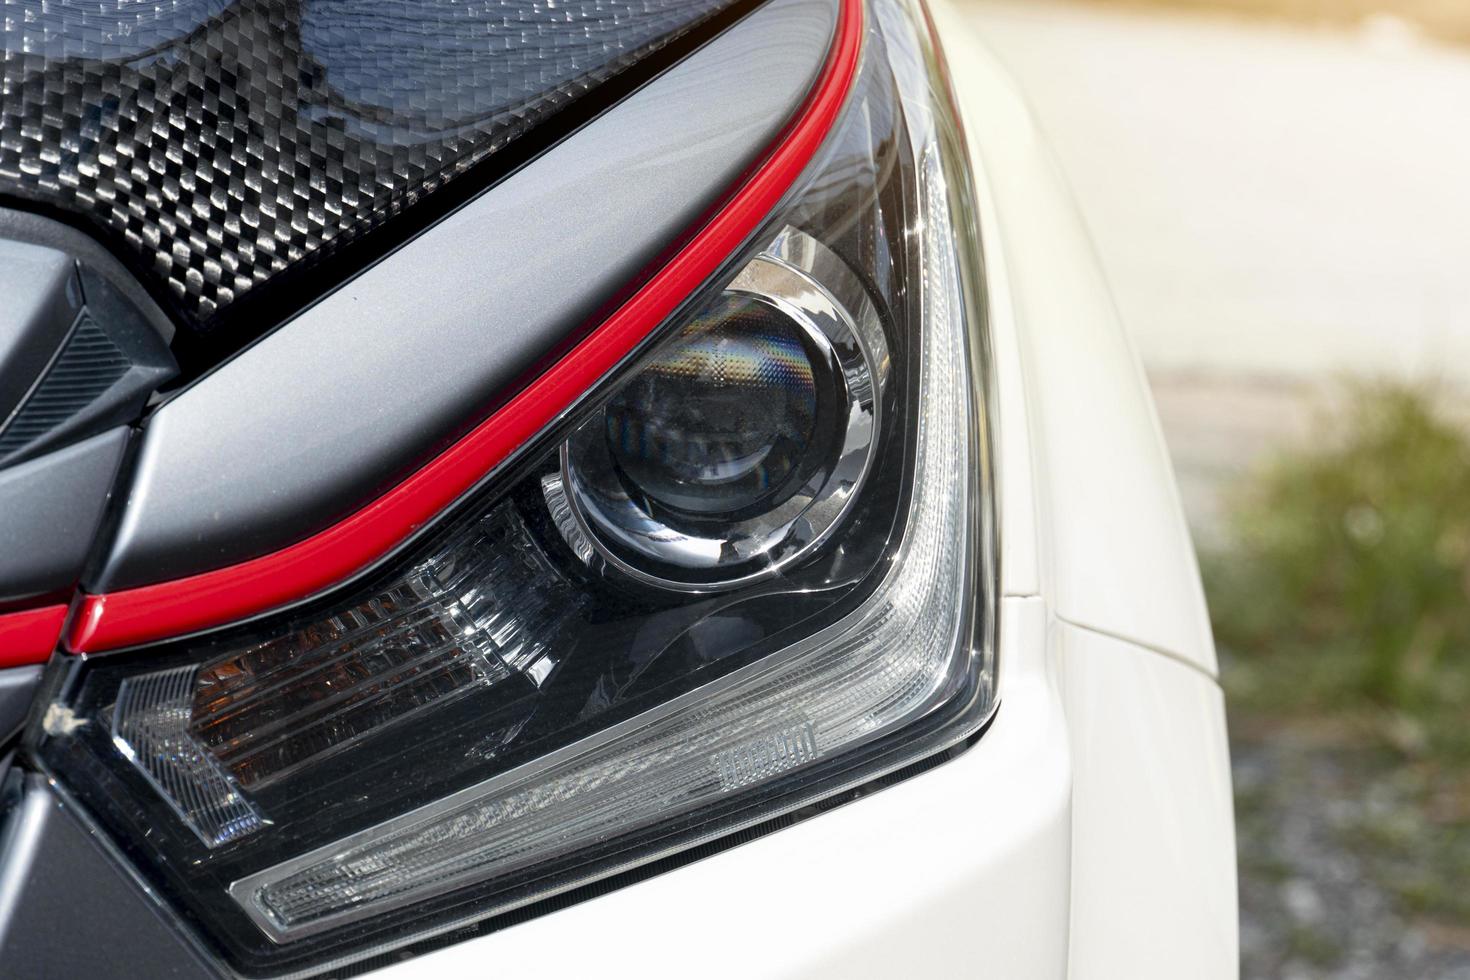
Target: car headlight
751, 568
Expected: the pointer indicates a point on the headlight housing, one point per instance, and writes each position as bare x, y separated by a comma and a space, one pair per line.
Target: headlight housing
749, 570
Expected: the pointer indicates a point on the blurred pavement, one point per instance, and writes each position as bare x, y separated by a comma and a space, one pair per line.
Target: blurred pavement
1274, 207
1265, 200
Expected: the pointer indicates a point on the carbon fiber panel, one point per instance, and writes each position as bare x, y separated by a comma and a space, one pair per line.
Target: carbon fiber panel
222, 145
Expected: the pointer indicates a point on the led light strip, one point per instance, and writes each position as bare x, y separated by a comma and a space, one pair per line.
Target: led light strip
181, 606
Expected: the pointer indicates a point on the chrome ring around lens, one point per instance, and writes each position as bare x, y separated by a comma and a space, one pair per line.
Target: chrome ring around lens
657, 538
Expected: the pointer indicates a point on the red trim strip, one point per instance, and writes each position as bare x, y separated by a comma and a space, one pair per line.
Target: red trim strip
152, 612
29, 636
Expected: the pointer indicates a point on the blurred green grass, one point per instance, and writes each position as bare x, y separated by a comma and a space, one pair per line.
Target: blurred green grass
1347, 584
1342, 609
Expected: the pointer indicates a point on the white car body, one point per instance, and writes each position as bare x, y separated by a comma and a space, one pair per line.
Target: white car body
1089, 833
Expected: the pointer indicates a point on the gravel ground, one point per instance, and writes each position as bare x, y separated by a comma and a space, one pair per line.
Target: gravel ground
1310, 903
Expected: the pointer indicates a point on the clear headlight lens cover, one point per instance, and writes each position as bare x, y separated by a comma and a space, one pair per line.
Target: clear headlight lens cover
751, 570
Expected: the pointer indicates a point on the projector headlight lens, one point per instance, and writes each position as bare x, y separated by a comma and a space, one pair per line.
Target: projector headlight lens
721, 421
741, 445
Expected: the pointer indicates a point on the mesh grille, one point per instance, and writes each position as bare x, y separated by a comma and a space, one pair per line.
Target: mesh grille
226, 143
89, 365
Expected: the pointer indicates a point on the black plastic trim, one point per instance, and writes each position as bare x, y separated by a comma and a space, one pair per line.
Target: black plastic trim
67, 909
23, 224
50, 510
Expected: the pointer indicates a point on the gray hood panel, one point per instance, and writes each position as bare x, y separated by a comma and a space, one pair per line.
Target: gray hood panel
327, 412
